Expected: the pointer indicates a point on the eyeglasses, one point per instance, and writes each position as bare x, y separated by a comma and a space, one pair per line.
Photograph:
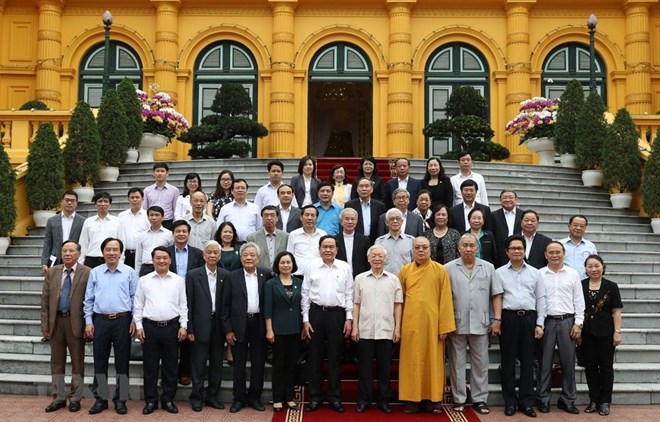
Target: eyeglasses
70, 200
395, 219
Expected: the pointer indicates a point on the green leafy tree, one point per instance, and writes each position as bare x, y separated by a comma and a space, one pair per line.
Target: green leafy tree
572, 101
44, 181
216, 136
81, 154
34, 104
133, 111
591, 133
111, 122
7, 193
621, 162
651, 180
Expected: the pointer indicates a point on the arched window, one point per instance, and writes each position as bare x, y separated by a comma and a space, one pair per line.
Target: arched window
124, 63
449, 67
568, 62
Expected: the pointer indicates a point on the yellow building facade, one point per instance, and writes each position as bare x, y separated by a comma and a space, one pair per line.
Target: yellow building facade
334, 77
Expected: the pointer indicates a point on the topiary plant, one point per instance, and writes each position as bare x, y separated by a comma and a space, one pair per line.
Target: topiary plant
111, 122
621, 162
7, 193
34, 105
81, 155
651, 180
133, 112
591, 132
572, 101
44, 181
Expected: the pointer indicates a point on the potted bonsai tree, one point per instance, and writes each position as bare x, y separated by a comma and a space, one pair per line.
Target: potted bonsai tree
111, 122
590, 134
133, 112
7, 200
572, 101
44, 181
81, 154
621, 163
651, 185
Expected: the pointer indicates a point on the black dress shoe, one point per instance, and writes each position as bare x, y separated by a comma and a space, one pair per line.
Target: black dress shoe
568, 408
312, 406
120, 408
510, 410
257, 405
593, 407
214, 403
544, 408
236, 406
604, 409
56, 405
196, 406
74, 406
337, 407
385, 407
170, 407
411, 407
149, 408
361, 407
99, 406
528, 411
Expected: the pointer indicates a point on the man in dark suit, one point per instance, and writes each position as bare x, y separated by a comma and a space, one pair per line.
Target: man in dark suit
245, 328
62, 321
403, 180
506, 222
535, 241
366, 205
460, 212
289, 216
66, 225
204, 287
412, 223
352, 245
269, 235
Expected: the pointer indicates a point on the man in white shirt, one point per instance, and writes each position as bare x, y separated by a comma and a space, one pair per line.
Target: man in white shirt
134, 221
98, 228
303, 242
202, 226
267, 194
157, 235
397, 244
577, 247
243, 214
465, 173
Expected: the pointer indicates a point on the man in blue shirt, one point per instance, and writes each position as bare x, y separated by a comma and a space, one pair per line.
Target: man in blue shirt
577, 247
329, 212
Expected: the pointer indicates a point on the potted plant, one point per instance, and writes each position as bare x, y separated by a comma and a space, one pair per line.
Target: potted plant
651, 185
7, 200
621, 163
133, 112
572, 101
160, 123
591, 132
34, 105
44, 181
111, 122
81, 153
535, 123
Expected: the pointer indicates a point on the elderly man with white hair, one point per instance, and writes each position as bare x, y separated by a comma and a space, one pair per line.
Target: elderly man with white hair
397, 244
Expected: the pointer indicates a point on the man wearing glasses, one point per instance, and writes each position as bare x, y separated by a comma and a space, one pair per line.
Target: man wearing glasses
64, 226
397, 244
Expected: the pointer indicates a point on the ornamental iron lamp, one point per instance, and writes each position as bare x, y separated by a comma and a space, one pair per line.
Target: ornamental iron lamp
591, 24
107, 21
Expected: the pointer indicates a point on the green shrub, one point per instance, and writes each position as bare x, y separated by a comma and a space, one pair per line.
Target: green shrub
651, 180
221, 149
44, 181
572, 101
7, 194
133, 111
591, 133
111, 122
621, 162
34, 104
81, 155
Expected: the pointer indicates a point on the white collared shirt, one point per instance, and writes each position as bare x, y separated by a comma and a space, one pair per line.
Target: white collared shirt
563, 290
510, 217
161, 299
133, 224
348, 242
366, 216
284, 217
252, 287
147, 241
325, 285
94, 231
213, 282
67, 223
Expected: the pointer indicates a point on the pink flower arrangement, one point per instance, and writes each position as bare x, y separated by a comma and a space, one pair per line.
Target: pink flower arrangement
535, 120
160, 117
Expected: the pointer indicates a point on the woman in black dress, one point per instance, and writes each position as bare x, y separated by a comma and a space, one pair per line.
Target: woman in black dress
443, 239
369, 168
436, 182
221, 196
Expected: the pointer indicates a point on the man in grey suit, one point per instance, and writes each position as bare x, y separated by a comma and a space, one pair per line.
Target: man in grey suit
289, 216
412, 223
270, 240
66, 225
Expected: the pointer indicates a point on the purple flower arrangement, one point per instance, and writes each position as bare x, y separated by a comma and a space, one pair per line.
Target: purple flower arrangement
536, 119
159, 115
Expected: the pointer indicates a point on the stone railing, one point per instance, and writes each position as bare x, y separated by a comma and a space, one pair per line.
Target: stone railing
18, 129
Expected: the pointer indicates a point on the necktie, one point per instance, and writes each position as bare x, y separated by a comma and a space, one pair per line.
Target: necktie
65, 297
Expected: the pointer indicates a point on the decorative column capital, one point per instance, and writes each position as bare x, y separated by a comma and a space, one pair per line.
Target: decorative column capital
158, 4
277, 3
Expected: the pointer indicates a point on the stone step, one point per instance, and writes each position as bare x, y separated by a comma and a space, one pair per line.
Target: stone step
610, 255
641, 336
18, 327
633, 278
20, 312
14, 297
29, 270
21, 250
22, 283
32, 240
21, 260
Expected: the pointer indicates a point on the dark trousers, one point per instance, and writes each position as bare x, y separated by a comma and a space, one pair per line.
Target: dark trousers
200, 352
254, 343
160, 344
94, 261
517, 341
285, 356
598, 355
184, 359
61, 339
367, 351
129, 258
327, 338
111, 333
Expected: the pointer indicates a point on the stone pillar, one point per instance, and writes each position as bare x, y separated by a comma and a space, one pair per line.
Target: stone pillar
399, 96
638, 57
49, 53
282, 111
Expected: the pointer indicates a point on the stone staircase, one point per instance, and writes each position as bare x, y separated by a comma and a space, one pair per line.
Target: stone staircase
630, 250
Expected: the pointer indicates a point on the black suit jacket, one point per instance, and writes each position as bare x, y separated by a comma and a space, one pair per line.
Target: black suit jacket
195, 258
292, 223
378, 185
298, 185
377, 209
235, 302
200, 306
414, 225
536, 256
600, 322
360, 245
414, 186
457, 217
501, 231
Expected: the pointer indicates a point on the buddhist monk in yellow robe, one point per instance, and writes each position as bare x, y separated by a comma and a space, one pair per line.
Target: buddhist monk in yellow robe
428, 316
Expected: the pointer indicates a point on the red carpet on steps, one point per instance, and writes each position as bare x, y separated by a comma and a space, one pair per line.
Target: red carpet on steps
326, 414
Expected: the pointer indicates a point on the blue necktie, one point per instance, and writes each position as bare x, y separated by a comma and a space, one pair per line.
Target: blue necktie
65, 297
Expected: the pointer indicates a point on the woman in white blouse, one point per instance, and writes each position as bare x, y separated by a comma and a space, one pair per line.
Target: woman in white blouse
342, 189
191, 184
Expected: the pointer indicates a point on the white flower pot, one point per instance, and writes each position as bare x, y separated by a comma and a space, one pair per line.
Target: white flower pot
108, 173
4, 244
41, 217
621, 200
655, 225
132, 156
567, 160
544, 148
150, 143
592, 178
85, 193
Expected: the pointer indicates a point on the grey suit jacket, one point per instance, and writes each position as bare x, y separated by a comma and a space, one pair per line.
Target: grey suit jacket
54, 238
292, 223
259, 238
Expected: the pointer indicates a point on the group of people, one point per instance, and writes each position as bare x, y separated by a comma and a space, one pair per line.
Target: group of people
424, 263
